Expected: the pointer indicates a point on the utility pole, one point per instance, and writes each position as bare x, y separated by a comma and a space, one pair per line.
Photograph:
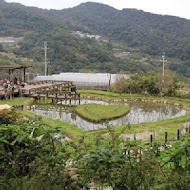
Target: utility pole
163, 70
45, 58
110, 80
163, 65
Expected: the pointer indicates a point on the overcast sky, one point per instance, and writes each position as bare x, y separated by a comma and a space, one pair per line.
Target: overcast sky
179, 8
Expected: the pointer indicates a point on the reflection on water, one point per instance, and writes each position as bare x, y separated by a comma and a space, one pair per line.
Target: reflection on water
141, 112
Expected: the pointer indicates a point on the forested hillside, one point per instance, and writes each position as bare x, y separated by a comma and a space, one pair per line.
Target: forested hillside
144, 36
67, 53
150, 32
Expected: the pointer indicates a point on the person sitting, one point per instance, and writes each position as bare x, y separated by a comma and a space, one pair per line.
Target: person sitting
15, 80
19, 82
5, 86
22, 84
11, 86
73, 89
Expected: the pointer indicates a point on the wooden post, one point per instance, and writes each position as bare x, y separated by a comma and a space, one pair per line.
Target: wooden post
38, 96
151, 140
166, 137
20, 92
56, 95
11, 75
24, 74
129, 156
178, 134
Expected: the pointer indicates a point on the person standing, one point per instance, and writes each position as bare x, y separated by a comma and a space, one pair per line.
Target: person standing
15, 80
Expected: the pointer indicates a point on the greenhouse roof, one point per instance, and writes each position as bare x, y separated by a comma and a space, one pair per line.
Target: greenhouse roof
82, 77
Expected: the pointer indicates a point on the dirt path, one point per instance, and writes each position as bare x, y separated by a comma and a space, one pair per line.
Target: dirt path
4, 106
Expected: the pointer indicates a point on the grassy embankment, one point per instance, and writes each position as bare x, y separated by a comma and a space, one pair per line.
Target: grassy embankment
169, 125
110, 96
98, 113
68, 129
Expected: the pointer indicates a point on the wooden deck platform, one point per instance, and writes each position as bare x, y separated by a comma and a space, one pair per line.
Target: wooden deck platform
56, 91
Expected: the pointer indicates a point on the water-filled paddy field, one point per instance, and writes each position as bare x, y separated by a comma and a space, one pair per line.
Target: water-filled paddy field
140, 112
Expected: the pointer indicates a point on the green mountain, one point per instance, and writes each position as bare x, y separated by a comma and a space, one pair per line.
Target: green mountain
67, 53
131, 40
150, 32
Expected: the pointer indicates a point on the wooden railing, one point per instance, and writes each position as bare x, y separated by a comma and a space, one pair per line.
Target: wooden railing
48, 82
53, 87
54, 91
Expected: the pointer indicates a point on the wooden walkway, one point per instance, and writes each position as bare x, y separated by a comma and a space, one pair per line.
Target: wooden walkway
8, 94
1, 92
56, 91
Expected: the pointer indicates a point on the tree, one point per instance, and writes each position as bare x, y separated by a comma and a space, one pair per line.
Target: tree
148, 83
1, 48
169, 84
120, 84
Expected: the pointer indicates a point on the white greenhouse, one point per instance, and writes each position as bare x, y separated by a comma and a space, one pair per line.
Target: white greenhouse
99, 81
